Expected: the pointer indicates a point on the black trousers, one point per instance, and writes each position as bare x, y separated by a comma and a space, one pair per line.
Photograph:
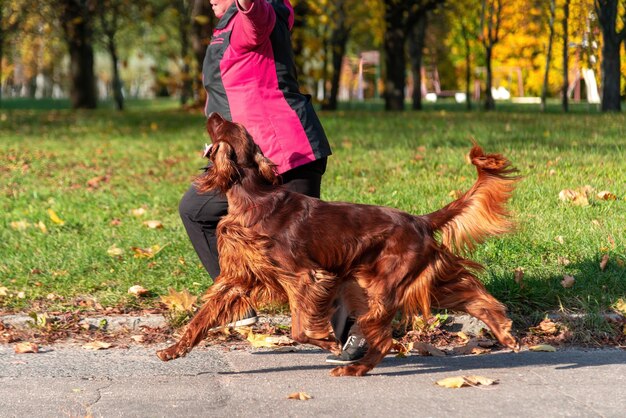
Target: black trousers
201, 213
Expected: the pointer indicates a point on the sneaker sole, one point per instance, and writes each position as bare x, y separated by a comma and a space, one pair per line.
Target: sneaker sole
240, 323
341, 362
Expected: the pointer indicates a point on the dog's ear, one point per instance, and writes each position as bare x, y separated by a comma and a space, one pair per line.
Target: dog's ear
267, 168
223, 173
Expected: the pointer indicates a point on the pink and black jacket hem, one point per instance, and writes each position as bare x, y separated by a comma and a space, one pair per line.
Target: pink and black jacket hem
250, 77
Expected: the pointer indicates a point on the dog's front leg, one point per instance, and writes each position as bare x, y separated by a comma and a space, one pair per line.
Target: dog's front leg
223, 302
300, 332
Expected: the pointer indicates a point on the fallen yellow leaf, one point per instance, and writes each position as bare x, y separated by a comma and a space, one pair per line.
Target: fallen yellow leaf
179, 301
460, 381
300, 396
139, 212
542, 347
55, 218
26, 347
4, 291
619, 306
97, 345
114, 251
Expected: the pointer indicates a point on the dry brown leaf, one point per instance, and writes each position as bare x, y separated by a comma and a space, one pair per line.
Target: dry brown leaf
179, 301
577, 197
138, 212
542, 347
619, 306
461, 381
97, 345
26, 347
19, 225
300, 396
611, 241
426, 349
402, 349
518, 276
137, 338
42, 227
568, 281
4, 291
153, 224
147, 252
606, 195
604, 262
546, 327
138, 290
563, 261
95, 182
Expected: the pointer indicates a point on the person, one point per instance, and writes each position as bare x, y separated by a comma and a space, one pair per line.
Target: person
250, 78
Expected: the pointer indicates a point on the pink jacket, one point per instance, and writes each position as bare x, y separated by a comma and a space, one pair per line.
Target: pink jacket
250, 77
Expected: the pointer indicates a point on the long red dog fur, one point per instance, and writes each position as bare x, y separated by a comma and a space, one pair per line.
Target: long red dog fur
276, 245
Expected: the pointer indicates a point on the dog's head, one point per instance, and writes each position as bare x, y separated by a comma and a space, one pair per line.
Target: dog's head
233, 157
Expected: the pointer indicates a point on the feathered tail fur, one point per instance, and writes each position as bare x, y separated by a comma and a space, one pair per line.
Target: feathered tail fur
481, 211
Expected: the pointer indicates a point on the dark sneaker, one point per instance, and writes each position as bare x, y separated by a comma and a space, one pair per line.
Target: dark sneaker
353, 350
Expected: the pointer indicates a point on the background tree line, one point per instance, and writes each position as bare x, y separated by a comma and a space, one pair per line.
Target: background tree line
536, 47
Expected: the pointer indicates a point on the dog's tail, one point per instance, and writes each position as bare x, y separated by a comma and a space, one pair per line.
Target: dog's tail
481, 211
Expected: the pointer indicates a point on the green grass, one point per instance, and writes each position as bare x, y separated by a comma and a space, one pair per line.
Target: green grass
411, 161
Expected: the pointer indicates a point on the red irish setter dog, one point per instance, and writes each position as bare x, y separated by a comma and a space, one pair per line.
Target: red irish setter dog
278, 245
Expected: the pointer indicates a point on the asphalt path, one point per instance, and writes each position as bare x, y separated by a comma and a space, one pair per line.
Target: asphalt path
69, 381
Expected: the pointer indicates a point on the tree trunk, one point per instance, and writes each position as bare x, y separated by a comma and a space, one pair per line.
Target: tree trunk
468, 69
546, 74
490, 103
338, 42
611, 100
416, 52
565, 98
76, 22
184, 15
395, 62
118, 96
607, 15
202, 23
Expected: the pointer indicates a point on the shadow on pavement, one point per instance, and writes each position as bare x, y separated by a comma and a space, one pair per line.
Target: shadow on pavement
415, 364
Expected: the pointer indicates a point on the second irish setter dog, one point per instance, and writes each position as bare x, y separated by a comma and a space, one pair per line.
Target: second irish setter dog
276, 245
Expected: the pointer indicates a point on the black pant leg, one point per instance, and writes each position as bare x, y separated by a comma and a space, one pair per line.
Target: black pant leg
200, 214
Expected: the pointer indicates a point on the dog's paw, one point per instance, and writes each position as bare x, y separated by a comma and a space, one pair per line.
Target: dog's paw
171, 353
351, 370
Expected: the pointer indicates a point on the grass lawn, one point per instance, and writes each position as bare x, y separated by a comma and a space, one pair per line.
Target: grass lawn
104, 173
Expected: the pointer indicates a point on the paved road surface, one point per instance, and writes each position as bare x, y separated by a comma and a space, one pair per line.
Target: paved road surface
66, 381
